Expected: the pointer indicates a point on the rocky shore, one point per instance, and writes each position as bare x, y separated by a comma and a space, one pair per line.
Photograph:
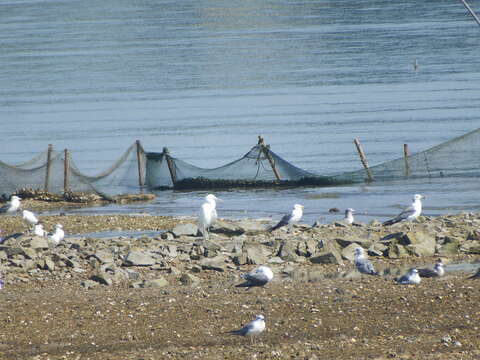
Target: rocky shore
177, 265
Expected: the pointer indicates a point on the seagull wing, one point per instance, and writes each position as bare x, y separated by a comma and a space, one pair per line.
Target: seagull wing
243, 331
4, 208
365, 266
427, 273
284, 221
254, 279
400, 217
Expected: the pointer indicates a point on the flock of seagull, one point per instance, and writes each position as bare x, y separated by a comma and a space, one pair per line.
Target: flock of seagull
262, 275
14, 205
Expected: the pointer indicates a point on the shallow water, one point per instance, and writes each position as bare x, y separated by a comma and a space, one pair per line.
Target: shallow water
205, 78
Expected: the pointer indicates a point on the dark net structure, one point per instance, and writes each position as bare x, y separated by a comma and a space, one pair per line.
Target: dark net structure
137, 170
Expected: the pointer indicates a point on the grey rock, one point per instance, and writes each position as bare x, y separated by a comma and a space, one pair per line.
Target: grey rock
167, 236
185, 230
215, 264
348, 253
288, 251
155, 283
226, 228
139, 258
471, 247
88, 284
327, 257
255, 253
104, 256
451, 246
132, 274
396, 251
240, 259
189, 279
38, 242
251, 227
102, 278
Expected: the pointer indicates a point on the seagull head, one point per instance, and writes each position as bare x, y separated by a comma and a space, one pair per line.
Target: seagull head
298, 206
418, 197
210, 198
438, 265
349, 210
15, 197
59, 226
260, 317
358, 251
413, 271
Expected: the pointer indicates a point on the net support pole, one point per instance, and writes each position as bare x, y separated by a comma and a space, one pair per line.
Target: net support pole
406, 154
141, 178
49, 166
363, 159
171, 166
266, 152
471, 11
65, 171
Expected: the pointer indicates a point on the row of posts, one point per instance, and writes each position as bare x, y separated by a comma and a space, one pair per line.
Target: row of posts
49, 167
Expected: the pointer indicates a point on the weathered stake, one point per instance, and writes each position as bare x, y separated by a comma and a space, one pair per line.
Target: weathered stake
269, 157
363, 158
49, 166
141, 178
171, 166
65, 171
406, 154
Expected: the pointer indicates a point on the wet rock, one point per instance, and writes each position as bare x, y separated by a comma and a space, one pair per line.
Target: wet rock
155, 283
327, 257
189, 280
185, 230
139, 258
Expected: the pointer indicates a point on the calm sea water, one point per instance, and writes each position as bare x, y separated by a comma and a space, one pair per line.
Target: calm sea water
204, 78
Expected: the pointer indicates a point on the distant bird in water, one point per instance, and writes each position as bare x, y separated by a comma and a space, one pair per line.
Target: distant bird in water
437, 271
362, 264
409, 214
476, 275
208, 214
252, 329
289, 219
39, 230
258, 277
58, 235
30, 218
410, 278
415, 65
12, 206
349, 216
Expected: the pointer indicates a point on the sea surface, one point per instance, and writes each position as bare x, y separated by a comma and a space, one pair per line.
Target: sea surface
205, 78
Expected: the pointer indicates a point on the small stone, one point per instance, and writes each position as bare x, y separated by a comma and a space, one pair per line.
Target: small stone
138, 258
156, 283
189, 279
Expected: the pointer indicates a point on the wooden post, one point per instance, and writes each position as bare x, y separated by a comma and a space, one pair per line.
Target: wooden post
363, 158
171, 166
405, 157
141, 178
471, 11
49, 166
65, 171
269, 157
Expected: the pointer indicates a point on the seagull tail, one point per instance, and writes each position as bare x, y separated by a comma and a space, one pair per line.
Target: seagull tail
234, 332
390, 222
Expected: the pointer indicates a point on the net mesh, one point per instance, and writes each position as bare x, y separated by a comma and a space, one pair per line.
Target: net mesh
260, 167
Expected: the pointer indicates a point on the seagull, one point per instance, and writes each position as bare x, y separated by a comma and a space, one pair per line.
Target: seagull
29, 217
437, 271
58, 235
411, 277
289, 219
476, 275
410, 213
208, 214
39, 231
362, 264
253, 328
12, 206
349, 216
258, 277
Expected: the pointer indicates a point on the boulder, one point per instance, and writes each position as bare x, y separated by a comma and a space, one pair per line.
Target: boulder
187, 229
155, 283
255, 253
104, 256
327, 257
226, 228
251, 227
396, 251
138, 258
288, 251
215, 264
348, 253
39, 243
451, 246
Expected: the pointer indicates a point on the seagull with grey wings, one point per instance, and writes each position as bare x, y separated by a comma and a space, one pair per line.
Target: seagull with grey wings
349, 216
12, 206
258, 277
410, 278
289, 219
252, 329
409, 214
437, 271
476, 275
362, 264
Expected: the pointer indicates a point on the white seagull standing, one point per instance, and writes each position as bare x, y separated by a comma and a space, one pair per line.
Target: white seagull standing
362, 264
252, 329
208, 214
411, 277
39, 231
409, 214
58, 235
29, 217
349, 216
258, 277
12, 206
289, 219
437, 271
